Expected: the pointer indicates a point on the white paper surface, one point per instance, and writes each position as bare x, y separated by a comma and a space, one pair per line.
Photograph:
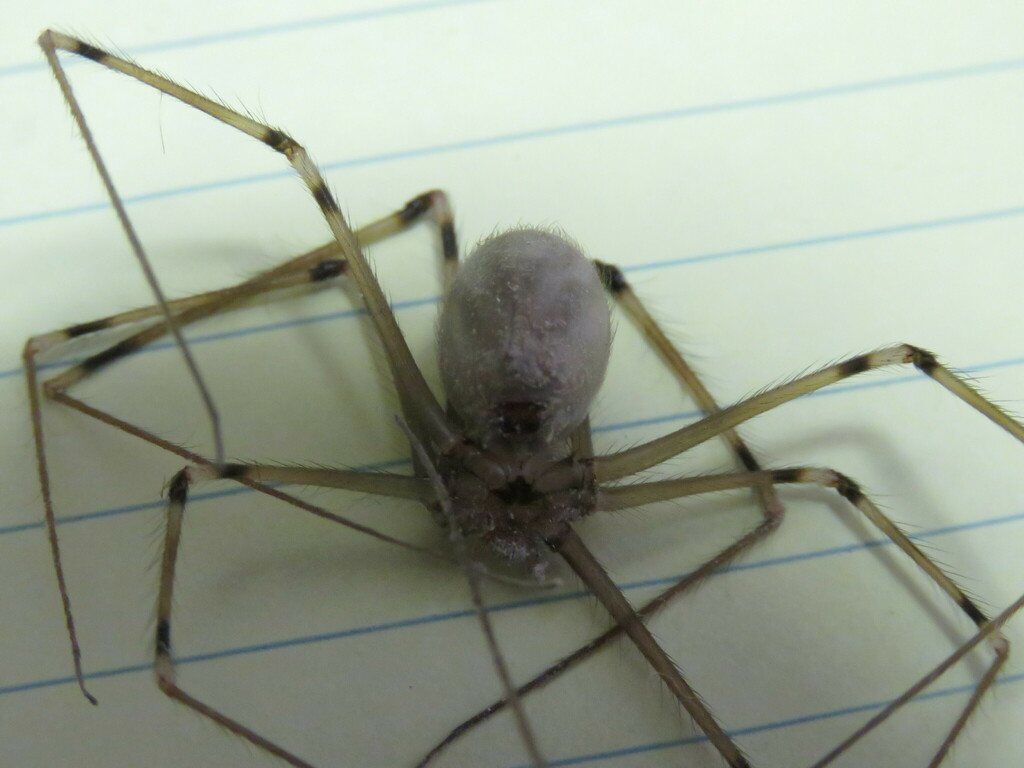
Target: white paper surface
786, 184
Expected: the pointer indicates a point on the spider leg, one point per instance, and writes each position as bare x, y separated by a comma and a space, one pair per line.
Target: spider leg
569, 545
377, 483
626, 497
443, 500
616, 284
614, 632
421, 408
164, 665
624, 463
990, 630
315, 266
618, 287
615, 466
310, 268
164, 660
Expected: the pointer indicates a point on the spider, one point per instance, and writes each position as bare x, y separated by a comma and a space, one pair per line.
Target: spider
506, 465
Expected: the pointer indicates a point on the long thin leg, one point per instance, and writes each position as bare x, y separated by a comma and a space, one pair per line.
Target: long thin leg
618, 287
443, 501
402, 488
627, 497
624, 463
421, 408
630, 496
188, 311
164, 665
644, 612
571, 547
51, 522
314, 266
423, 413
164, 660
618, 465
634, 460
645, 493
988, 632
616, 284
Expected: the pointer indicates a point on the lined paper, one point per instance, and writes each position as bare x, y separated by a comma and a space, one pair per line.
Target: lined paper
784, 185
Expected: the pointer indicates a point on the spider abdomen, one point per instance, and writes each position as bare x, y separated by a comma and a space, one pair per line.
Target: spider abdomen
523, 338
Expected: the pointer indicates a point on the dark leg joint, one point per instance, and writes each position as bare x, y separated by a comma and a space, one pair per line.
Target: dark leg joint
855, 365
163, 638
233, 471
178, 490
924, 360
324, 199
416, 207
746, 458
449, 248
278, 140
979, 618
422, 204
556, 539
848, 489
84, 328
90, 51
611, 277
325, 270
786, 475
121, 349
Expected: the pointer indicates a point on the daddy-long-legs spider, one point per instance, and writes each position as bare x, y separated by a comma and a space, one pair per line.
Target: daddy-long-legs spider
196, 556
